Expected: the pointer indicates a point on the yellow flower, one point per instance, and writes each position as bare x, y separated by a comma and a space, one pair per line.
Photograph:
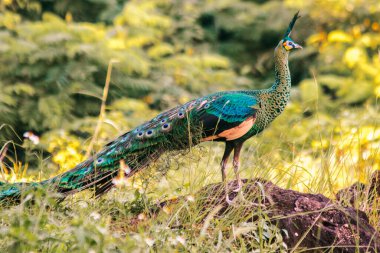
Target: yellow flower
376, 26
320, 144
377, 91
339, 36
66, 151
116, 43
7, 2
353, 56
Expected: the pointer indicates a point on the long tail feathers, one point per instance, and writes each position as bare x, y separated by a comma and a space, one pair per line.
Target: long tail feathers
84, 176
175, 129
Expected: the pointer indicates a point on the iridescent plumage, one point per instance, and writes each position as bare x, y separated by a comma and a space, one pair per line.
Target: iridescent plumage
231, 117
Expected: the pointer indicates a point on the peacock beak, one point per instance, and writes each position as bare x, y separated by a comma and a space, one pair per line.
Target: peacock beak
297, 46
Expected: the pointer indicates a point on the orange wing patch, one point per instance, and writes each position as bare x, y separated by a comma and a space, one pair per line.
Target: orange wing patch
235, 132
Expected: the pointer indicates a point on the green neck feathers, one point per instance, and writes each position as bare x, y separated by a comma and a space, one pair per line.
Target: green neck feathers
282, 82
280, 90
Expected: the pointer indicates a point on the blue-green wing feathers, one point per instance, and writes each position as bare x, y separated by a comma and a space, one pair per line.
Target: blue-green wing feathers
227, 112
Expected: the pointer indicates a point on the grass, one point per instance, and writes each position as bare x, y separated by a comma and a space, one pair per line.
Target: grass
120, 221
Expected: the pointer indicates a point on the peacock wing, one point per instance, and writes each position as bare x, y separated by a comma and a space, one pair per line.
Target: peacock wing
228, 117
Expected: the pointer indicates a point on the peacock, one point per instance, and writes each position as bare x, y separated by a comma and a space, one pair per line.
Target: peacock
231, 117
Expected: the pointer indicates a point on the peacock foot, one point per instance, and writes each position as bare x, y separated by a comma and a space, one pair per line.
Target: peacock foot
229, 202
240, 185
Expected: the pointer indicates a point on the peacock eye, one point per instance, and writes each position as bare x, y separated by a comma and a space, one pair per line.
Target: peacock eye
149, 133
140, 134
290, 43
181, 114
207, 106
100, 160
166, 127
163, 120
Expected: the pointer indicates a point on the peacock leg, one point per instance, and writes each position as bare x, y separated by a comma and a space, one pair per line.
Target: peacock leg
236, 164
227, 151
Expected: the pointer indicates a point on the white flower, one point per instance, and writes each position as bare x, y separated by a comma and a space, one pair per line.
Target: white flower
181, 240
141, 216
172, 241
124, 167
149, 241
102, 230
95, 215
32, 137
120, 181
83, 204
190, 198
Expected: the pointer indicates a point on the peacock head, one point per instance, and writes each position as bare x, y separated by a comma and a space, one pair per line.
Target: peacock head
287, 43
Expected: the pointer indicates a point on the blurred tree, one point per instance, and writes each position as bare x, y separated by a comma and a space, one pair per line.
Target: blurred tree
347, 39
53, 70
54, 56
79, 11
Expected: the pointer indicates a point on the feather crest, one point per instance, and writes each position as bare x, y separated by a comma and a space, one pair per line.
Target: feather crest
291, 24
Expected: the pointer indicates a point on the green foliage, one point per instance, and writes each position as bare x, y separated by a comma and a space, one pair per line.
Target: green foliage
56, 60
87, 10
348, 67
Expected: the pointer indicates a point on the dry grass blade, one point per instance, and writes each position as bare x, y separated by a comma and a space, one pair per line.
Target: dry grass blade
102, 108
208, 219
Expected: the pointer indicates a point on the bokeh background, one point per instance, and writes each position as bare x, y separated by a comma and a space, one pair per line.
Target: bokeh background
53, 65
54, 57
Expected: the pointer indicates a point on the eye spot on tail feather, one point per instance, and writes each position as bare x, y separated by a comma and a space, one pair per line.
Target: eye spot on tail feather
166, 127
181, 114
99, 160
140, 134
149, 133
